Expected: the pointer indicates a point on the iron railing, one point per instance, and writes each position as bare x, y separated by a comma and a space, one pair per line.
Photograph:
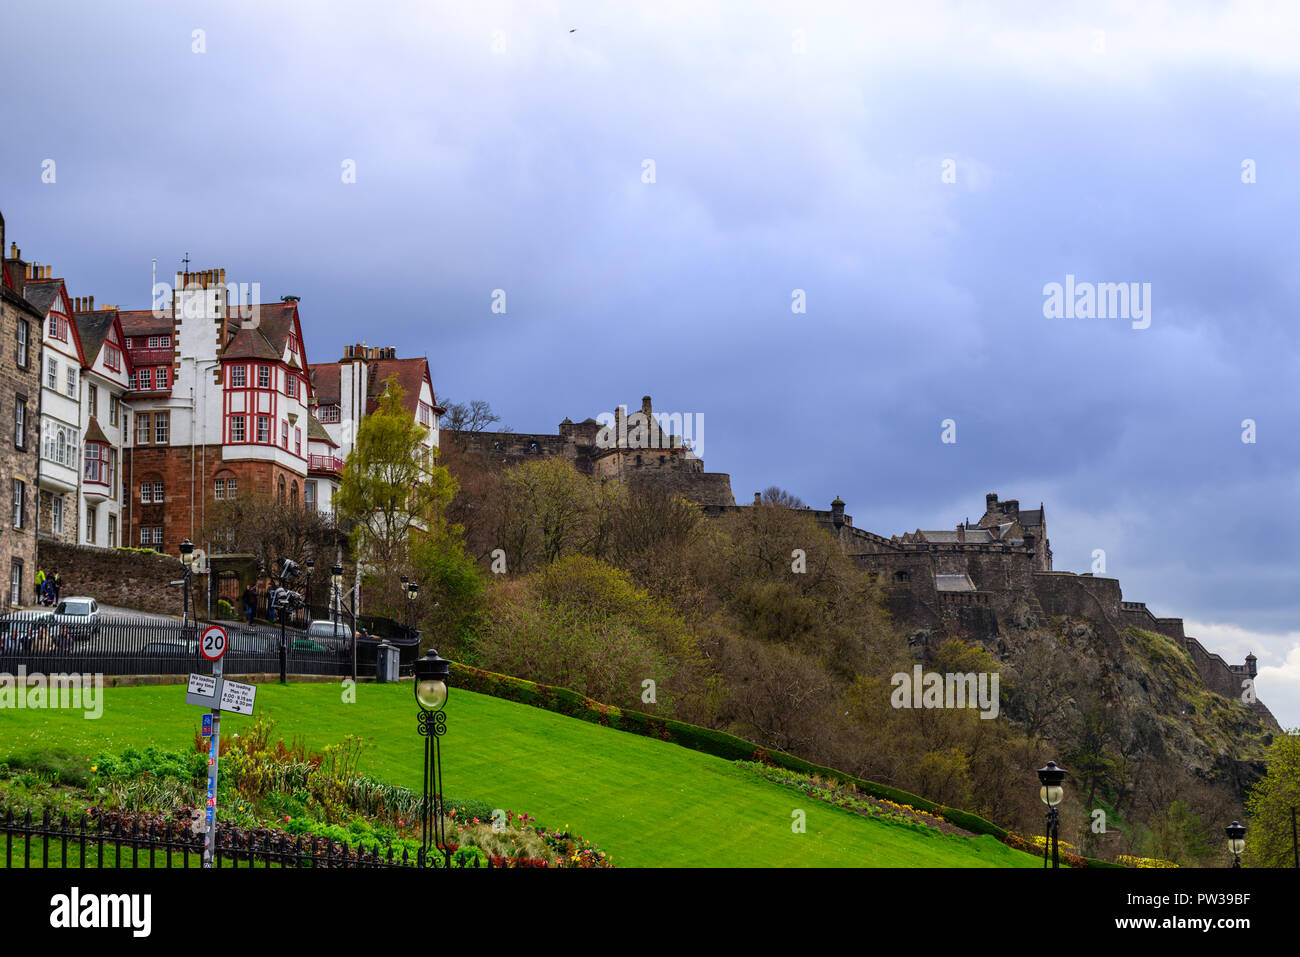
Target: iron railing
119, 645
115, 842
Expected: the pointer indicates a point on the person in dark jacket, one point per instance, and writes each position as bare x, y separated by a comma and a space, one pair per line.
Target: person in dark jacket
58, 585
250, 603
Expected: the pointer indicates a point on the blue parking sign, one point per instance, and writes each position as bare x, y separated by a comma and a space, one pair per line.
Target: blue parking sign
207, 725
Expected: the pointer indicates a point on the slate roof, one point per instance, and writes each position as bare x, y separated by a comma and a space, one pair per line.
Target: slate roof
41, 293
93, 328
250, 344
94, 433
410, 375
316, 432
142, 322
1031, 517
325, 382
973, 535
275, 322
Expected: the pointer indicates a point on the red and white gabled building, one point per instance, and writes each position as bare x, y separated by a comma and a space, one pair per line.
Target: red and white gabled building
221, 410
104, 387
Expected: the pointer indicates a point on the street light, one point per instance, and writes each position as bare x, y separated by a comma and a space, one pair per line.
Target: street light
311, 566
336, 590
411, 589
432, 674
187, 559
1052, 794
1236, 841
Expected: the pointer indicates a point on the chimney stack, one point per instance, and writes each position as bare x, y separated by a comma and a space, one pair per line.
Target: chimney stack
758, 498
91, 307
961, 532
645, 404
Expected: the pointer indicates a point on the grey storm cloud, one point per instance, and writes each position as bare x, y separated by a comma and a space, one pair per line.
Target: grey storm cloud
494, 149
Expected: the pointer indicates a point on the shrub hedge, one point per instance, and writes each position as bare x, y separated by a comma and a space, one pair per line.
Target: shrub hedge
717, 743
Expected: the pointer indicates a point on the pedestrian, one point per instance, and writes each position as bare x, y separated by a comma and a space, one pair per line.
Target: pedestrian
40, 583
47, 592
250, 602
58, 585
270, 600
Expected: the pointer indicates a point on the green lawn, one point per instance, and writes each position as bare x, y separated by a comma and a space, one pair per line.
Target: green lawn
645, 802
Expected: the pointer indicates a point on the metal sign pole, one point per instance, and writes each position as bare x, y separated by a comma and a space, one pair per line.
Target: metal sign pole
214, 757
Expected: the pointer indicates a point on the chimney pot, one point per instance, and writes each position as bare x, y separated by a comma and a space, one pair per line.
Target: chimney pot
645, 404
91, 307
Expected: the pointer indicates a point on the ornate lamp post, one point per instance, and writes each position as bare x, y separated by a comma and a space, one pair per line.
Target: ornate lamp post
336, 592
1052, 794
411, 589
311, 568
1236, 841
432, 674
187, 559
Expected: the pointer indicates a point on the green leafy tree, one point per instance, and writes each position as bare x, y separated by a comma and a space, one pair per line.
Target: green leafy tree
390, 488
1271, 804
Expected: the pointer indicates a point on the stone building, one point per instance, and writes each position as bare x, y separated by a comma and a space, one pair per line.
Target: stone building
20, 391
639, 450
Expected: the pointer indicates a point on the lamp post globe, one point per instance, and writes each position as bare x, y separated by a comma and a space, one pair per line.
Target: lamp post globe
187, 552
1050, 791
1050, 777
1236, 832
432, 675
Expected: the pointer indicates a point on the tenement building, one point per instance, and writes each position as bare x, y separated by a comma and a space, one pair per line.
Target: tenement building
219, 397
20, 389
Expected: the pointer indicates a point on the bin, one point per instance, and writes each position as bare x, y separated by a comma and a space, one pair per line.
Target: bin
387, 662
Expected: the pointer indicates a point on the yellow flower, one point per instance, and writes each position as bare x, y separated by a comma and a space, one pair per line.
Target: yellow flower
94, 767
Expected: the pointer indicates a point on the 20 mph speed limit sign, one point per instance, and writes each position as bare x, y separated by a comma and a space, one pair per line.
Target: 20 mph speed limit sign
213, 643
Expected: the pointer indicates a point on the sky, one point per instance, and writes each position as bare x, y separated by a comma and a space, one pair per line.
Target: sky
650, 191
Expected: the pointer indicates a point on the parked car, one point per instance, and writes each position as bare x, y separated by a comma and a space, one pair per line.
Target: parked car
251, 643
170, 647
75, 619
20, 631
323, 633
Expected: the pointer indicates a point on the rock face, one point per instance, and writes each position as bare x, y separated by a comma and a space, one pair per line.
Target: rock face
983, 578
1142, 691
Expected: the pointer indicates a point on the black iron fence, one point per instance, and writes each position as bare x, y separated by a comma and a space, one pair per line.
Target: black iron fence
115, 842
110, 644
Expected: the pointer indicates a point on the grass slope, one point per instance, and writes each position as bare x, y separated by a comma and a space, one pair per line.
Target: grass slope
645, 802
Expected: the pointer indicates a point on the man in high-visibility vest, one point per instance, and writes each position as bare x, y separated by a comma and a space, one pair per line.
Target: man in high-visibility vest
40, 581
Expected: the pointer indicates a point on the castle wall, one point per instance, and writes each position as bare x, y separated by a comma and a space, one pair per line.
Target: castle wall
1082, 596
706, 488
